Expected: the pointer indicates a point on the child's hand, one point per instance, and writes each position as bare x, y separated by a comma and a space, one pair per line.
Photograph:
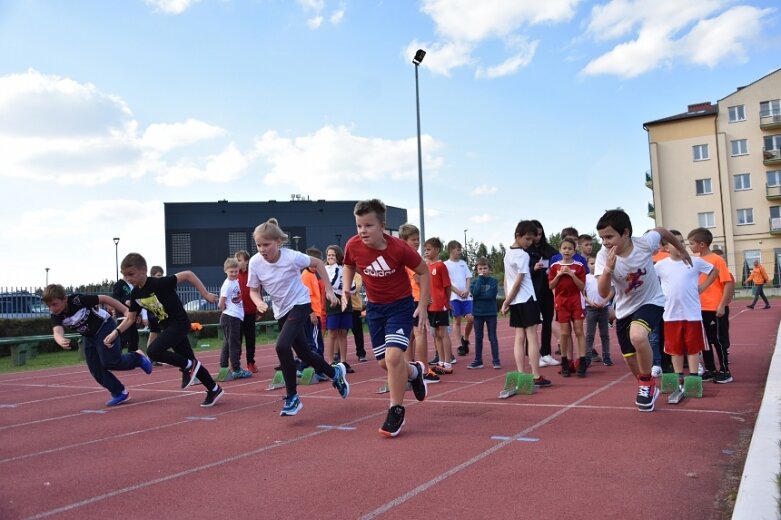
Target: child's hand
611, 257
504, 308
211, 298
262, 308
63, 342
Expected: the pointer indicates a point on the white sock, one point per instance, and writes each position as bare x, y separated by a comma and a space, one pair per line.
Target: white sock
415, 371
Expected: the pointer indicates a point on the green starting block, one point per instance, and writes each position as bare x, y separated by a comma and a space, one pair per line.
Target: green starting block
692, 386
224, 374
308, 377
517, 383
669, 383
278, 381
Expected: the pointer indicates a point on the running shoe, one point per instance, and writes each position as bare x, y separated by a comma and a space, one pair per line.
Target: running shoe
212, 396
144, 362
241, 374
475, 364
118, 399
418, 382
252, 367
431, 377
339, 380
292, 406
647, 392
394, 422
188, 374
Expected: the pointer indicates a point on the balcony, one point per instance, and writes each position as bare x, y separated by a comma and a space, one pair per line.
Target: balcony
770, 120
649, 180
772, 192
651, 211
771, 157
775, 226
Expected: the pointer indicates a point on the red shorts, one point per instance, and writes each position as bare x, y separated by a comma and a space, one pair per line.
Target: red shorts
683, 338
568, 310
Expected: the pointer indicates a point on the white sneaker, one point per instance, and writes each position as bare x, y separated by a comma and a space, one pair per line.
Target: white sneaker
656, 371
700, 369
550, 361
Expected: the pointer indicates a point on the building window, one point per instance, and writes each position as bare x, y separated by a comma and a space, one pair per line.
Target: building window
703, 186
772, 142
237, 241
739, 147
700, 152
770, 108
742, 181
745, 216
707, 219
737, 113
181, 253
752, 254
774, 178
775, 211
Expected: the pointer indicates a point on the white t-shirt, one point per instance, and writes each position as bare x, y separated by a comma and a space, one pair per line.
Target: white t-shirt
679, 285
592, 291
232, 293
459, 273
281, 280
634, 276
516, 262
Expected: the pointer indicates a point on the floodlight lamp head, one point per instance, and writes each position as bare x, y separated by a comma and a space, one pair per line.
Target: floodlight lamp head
419, 57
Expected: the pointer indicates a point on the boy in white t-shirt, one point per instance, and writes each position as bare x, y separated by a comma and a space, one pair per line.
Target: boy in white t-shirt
231, 320
460, 298
683, 330
521, 301
625, 263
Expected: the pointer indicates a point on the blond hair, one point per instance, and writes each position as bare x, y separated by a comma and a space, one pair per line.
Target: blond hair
230, 263
270, 229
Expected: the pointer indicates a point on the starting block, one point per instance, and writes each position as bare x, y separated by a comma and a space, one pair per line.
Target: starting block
384, 388
308, 377
669, 383
224, 374
692, 386
278, 381
517, 383
676, 397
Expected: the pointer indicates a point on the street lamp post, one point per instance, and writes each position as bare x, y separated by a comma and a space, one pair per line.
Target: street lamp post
47, 276
417, 61
466, 253
296, 239
116, 254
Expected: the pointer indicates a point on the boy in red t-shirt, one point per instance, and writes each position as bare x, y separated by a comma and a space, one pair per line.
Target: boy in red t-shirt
250, 311
567, 279
438, 316
381, 258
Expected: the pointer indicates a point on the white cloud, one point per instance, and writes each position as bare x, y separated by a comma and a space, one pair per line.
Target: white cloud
54, 129
336, 17
333, 162
171, 6
314, 22
484, 189
668, 31
485, 218
463, 25
315, 8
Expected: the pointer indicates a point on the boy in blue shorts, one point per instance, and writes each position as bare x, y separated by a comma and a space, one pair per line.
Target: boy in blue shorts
380, 259
626, 263
460, 298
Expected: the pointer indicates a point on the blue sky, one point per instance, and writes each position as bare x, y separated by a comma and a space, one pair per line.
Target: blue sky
528, 110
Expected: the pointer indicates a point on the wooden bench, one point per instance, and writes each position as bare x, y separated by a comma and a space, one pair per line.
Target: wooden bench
271, 328
26, 347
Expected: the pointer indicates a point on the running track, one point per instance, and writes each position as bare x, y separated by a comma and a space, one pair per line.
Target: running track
579, 449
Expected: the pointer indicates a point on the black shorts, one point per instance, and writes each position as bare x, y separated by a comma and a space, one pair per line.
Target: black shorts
525, 314
439, 319
648, 316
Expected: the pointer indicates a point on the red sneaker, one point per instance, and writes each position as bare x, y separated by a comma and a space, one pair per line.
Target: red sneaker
252, 368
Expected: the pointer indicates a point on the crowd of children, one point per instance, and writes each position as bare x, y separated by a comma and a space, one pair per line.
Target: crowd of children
655, 291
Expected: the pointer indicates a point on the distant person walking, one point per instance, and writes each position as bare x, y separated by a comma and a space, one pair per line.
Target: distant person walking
759, 277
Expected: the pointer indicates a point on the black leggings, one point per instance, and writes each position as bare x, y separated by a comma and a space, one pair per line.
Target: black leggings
545, 301
248, 331
174, 337
292, 336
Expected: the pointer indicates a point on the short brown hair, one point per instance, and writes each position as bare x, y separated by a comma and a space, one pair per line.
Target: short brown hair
453, 244
155, 270
337, 251
314, 252
483, 261
53, 292
434, 242
241, 255
408, 230
701, 234
133, 260
376, 206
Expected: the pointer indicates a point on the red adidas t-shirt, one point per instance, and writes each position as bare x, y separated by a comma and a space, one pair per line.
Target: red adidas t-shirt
383, 272
440, 281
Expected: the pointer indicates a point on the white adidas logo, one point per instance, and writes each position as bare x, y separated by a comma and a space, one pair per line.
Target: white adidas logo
379, 268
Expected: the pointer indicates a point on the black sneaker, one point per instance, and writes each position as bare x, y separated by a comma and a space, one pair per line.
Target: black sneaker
212, 396
647, 392
463, 350
393, 423
434, 361
188, 374
708, 375
565, 371
607, 361
348, 368
418, 383
431, 377
541, 382
723, 377
582, 366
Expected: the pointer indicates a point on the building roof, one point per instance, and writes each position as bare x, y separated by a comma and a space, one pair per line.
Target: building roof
693, 111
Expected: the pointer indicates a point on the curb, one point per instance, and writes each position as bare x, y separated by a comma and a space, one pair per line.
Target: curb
758, 492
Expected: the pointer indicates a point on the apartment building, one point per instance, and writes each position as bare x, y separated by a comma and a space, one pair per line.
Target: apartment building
719, 166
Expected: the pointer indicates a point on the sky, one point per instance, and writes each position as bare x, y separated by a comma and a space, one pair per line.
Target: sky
528, 109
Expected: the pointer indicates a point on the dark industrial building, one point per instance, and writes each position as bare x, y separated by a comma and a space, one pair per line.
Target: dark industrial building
199, 236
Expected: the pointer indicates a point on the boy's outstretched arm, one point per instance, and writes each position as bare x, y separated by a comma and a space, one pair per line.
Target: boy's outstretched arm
119, 307
59, 336
189, 276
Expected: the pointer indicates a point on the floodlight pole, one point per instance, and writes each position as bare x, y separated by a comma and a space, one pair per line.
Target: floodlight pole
417, 60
